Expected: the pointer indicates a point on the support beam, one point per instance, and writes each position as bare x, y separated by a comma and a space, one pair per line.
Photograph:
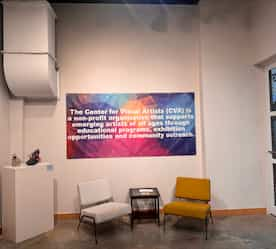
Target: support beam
17, 127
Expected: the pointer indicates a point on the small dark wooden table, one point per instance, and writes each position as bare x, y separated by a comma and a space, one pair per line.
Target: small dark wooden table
144, 193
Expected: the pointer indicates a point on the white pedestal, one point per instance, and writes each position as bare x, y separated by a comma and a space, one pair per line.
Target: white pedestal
27, 201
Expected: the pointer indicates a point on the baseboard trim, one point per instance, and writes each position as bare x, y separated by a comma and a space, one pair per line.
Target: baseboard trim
216, 212
67, 216
238, 212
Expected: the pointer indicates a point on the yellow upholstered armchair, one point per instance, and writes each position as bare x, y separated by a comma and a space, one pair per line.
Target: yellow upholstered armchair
193, 200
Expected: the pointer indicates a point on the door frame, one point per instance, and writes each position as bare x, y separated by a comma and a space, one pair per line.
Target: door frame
271, 207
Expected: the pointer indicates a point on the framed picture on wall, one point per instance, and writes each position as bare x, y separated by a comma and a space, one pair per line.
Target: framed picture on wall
272, 88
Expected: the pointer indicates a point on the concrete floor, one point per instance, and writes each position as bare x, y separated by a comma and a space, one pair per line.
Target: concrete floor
240, 232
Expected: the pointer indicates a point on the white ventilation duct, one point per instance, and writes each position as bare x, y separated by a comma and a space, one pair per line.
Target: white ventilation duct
29, 49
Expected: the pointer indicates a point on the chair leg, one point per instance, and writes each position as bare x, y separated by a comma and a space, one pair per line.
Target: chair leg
211, 217
206, 227
164, 223
80, 220
95, 231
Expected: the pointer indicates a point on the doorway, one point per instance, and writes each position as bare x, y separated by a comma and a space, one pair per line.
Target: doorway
271, 128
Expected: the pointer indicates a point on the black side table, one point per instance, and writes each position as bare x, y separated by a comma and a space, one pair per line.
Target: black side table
144, 193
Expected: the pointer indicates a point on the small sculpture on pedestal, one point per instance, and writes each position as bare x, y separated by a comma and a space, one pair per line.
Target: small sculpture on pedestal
16, 161
34, 158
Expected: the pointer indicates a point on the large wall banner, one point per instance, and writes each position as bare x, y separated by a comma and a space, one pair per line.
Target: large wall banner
130, 125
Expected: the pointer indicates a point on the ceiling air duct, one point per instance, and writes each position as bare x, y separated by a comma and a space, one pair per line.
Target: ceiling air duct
29, 49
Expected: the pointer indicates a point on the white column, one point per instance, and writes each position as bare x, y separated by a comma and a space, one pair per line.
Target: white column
17, 127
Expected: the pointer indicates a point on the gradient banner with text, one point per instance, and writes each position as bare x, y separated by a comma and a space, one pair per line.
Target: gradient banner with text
130, 125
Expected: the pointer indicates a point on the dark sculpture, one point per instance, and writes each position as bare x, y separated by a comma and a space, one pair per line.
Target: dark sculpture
34, 158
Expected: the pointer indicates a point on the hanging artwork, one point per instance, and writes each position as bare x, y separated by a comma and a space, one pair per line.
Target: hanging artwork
130, 125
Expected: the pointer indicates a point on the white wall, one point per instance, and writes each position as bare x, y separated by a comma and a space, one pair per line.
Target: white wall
135, 48
4, 111
4, 123
263, 30
117, 48
263, 36
231, 106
